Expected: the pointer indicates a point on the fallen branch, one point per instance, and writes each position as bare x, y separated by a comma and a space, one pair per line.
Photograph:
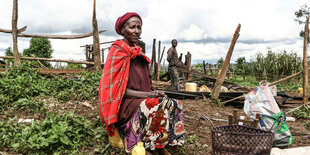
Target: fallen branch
292, 110
273, 83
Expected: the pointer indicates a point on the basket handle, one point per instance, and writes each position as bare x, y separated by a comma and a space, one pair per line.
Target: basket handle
280, 124
208, 119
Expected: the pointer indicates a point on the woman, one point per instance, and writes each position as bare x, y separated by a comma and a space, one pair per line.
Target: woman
126, 97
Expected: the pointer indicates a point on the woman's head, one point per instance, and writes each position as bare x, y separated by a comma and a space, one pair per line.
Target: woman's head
130, 26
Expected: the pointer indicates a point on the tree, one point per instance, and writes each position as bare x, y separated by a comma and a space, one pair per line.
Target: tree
302, 15
8, 52
40, 47
240, 64
220, 63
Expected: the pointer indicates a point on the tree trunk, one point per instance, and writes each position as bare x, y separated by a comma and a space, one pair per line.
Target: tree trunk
96, 40
305, 65
14, 32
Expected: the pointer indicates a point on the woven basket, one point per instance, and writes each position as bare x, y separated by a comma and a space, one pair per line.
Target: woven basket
241, 140
237, 139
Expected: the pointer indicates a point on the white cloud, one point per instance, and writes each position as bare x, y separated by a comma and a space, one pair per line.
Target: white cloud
192, 33
206, 26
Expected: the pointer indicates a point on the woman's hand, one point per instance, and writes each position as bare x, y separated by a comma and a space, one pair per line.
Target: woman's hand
130, 93
156, 93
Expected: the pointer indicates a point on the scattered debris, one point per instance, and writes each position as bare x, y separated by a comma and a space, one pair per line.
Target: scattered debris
86, 103
21, 120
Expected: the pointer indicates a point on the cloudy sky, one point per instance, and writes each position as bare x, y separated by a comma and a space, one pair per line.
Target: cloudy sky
203, 27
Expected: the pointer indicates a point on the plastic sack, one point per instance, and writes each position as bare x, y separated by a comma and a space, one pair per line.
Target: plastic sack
283, 137
261, 100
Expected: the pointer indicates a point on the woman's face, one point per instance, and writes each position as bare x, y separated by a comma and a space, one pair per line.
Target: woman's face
132, 30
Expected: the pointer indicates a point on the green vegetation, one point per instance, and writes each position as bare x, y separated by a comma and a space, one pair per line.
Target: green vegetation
57, 134
22, 93
302, 113
307, 125
274, 66
24, 82
31, 105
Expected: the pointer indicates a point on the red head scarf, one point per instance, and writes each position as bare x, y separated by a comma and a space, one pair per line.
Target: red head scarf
123, 19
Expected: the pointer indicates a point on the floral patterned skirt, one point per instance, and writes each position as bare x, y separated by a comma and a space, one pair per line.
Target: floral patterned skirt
158, 122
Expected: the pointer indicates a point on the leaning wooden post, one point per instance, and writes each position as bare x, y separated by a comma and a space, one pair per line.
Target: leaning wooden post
96, 40
217, 87
153, 56
158, 62
14, 32
305, 65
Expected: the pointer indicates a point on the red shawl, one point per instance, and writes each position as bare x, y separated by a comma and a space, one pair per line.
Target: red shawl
114, 79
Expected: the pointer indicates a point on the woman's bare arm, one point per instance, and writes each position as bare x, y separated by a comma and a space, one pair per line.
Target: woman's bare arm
130, 93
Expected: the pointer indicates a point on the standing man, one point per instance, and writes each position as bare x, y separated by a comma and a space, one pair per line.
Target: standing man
173, 60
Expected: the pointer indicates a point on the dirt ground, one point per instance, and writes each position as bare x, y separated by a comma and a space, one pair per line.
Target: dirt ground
198, 135
193, 109
198, 141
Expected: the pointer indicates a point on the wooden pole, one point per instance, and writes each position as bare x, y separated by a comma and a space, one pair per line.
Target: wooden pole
162, 54
96, 40
153, 56
14, 32
217, 87
158, 62
204, 67
210, 68
164, 66
10, 31
305, 65
188, 65
102, 55
47, 59
49, 36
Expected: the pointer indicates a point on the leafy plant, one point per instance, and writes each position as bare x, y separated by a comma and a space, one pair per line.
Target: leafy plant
307, 125
192, 139
20, 82
30, 105
302, 113
10, 134
62, 134
24, 82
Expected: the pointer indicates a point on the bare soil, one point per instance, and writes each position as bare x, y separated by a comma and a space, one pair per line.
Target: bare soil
198, 133
193, 109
